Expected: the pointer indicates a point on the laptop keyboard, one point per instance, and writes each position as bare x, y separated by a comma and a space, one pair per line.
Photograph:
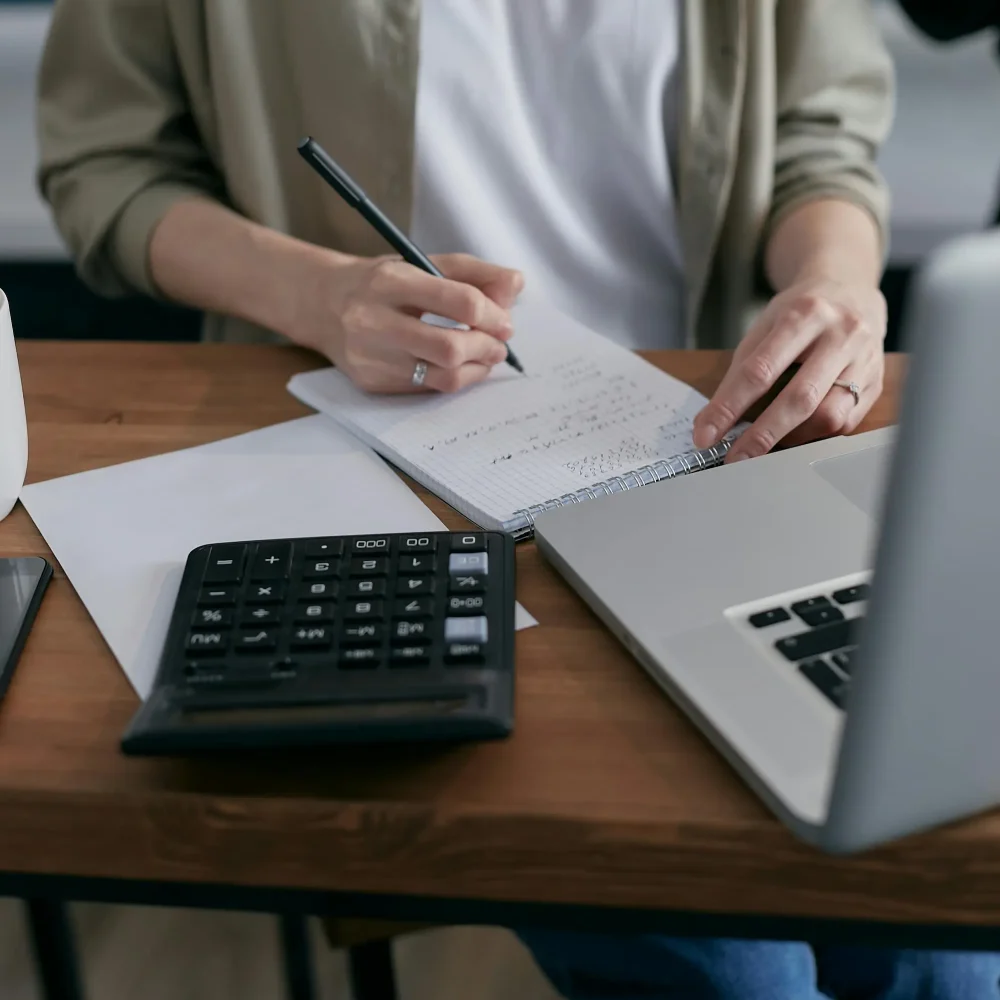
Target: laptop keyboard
822, 650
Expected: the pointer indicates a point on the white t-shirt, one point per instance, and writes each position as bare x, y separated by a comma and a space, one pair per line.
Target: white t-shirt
543, 136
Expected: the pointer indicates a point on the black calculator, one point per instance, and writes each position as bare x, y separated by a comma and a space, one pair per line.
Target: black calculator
309, 641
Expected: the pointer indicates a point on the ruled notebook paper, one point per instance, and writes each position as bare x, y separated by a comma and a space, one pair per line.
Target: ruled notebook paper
587, 410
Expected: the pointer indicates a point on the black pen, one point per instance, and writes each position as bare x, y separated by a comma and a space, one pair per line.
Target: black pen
321, 161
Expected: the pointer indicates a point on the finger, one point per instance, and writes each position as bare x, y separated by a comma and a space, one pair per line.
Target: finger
501, 284
407, 287
835, 413
795, 404
395, 376
750, 377
455, 379
410, 337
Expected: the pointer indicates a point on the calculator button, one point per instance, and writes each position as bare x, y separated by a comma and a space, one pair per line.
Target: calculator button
314, 592
306, 614
312, 637
374, 587
411, 565
318, 569
411, 631
324, 548
414, 607
285, 667
364, 632
217, 597
201, 643
212, 618
204, 671
466, 629
373, 545
371, 566
271, 561
416, 585
266, 593
467, 604
465, 653
467, 584
254, 615
409, 656
362, 656
256, 640
472, 541
364, 609
225, 563
417, 543
468, 564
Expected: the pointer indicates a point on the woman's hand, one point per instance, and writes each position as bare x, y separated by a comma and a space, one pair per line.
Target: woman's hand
836, 332
364, 314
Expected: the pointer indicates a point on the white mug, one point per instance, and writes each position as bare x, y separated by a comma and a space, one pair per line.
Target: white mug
13, 426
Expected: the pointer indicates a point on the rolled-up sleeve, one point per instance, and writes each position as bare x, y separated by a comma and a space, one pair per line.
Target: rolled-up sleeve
835, 95
118, 143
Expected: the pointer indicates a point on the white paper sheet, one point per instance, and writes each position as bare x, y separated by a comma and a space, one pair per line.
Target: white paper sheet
122, 534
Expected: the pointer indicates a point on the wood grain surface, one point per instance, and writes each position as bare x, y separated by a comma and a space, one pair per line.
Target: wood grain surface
605, 795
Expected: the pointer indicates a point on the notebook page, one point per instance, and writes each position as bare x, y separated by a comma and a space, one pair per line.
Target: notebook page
587, 410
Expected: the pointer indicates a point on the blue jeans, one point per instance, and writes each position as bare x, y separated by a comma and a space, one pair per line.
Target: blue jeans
644, 967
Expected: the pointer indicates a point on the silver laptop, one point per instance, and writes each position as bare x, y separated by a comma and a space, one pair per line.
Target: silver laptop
829, 616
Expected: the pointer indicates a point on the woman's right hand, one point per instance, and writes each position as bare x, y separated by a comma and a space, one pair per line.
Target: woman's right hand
364, 313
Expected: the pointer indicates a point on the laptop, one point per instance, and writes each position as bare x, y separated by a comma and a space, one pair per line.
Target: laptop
829, 615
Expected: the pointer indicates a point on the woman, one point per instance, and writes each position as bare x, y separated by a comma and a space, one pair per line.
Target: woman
648, 165
645, 165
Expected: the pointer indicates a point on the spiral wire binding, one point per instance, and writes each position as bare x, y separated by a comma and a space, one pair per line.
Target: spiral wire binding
522, 524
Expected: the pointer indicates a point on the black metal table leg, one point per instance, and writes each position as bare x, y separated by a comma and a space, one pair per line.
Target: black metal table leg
297, 956
373, 976
55, 952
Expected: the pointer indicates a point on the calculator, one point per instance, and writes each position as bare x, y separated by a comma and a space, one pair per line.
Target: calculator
345, 639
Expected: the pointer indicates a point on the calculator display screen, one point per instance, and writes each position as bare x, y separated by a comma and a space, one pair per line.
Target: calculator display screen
342, 712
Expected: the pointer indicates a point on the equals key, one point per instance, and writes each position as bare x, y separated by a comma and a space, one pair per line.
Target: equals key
225, 563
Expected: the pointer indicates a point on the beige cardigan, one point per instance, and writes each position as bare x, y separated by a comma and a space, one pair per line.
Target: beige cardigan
143, 102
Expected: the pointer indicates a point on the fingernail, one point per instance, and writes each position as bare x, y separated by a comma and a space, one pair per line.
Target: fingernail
741, 457
705, 436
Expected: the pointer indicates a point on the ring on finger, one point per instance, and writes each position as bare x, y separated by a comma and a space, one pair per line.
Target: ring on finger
852, 387
419, 374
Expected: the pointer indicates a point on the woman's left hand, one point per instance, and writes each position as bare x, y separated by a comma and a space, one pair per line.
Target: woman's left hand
836, 332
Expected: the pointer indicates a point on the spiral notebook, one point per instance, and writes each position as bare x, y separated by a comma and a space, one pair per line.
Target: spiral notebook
589, 419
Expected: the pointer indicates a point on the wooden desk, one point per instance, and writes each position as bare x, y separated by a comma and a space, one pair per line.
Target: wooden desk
605, 797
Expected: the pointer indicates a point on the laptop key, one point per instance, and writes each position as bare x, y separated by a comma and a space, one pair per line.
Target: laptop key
773, 617
842, 660
822, 615
824, 639
851, 595
826, 679
810, 604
